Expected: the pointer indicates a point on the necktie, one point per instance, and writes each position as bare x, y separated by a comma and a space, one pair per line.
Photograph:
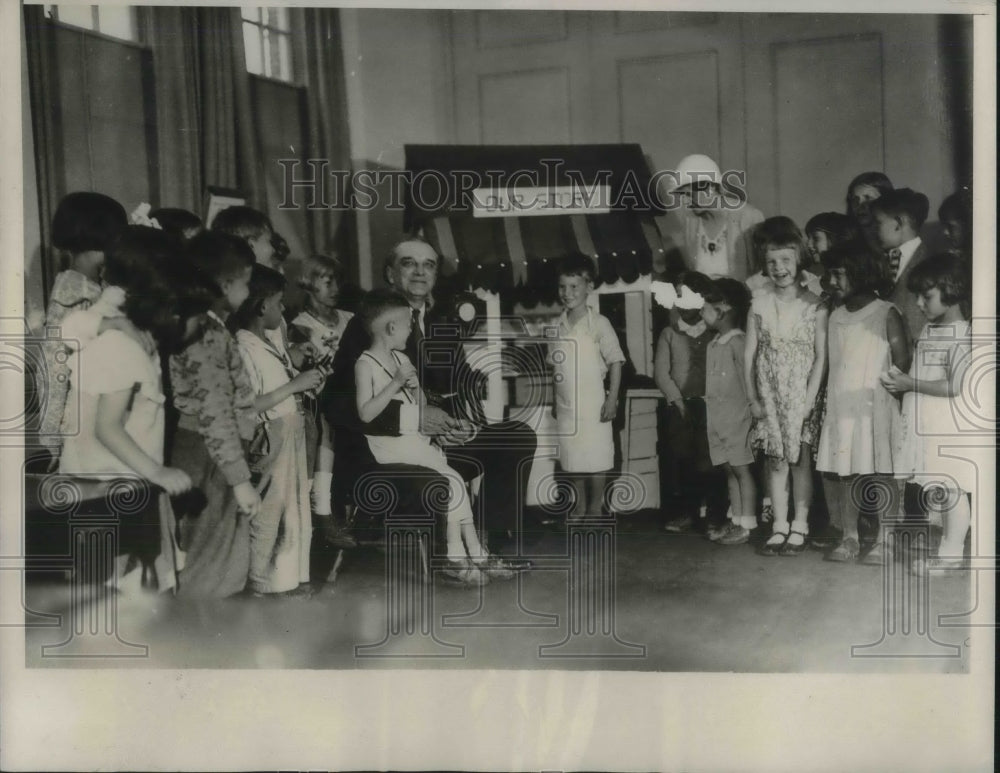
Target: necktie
418, 334
895, 254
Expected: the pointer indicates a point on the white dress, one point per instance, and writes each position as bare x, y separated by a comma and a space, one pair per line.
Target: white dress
580, 356
413, 448
861, 415
115, 362
931, 429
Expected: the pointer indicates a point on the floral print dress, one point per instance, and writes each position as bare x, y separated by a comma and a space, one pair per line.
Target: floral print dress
786, 350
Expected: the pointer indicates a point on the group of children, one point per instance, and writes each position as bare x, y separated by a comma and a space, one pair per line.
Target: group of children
851, 364
837, 356
239, 460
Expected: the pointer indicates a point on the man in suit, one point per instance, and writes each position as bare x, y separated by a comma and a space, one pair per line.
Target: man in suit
898, 216
502, 452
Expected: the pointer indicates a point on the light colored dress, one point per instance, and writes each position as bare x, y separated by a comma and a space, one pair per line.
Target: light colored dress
931, 424
413, 448
115, 362
281, 532
786, 350
861, 415
581, 355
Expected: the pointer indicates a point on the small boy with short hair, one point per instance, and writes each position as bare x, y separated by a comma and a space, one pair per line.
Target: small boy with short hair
584, 353
898, 216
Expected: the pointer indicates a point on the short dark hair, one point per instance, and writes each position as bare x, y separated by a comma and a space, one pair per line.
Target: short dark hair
264, 282
950, 273
957, 206
877, 180
220, 256
134, 262
838, 227
86, 221
281, 248
904, 203
734, 293
379, 301
176, 221
577, 264
779, 232
696, 282
860, 262
243, 222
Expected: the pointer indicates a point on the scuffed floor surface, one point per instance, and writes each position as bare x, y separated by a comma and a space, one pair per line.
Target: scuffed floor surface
679, 603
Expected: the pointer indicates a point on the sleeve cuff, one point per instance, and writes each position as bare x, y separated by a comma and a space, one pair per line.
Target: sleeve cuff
409, 419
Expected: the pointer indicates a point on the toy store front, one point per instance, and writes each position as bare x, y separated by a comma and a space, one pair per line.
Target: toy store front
502, 217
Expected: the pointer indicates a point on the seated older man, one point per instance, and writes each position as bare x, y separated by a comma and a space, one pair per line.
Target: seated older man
501, 453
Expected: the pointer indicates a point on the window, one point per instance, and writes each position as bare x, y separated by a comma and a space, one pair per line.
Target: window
267, 40
116, 21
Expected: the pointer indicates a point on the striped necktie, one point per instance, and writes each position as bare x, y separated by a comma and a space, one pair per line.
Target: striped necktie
895, 255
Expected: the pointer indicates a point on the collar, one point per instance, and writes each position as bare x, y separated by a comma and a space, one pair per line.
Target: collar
212, 315
695, 330
588, 318
906, 250
723, 337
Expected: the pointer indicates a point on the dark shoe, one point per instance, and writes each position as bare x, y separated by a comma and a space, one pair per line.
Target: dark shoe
791, 548
774, 544
334, 533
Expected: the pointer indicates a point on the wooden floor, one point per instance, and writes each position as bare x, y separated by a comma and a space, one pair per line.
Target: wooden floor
640, 600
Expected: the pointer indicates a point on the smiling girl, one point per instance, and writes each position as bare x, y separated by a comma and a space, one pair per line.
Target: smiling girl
785, 364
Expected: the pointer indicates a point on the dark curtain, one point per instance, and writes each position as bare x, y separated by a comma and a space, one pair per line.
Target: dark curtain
205, 127
319, 52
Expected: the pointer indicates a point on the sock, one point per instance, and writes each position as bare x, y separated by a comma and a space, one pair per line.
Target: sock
321, 485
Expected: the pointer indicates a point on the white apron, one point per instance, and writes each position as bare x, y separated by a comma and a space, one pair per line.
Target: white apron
585, 442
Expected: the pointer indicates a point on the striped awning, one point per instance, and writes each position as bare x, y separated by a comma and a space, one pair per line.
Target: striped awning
518, 255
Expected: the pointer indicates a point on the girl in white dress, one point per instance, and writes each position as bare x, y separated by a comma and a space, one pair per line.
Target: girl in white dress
117, 403
931, 433
585, 350
384, 373
866, 336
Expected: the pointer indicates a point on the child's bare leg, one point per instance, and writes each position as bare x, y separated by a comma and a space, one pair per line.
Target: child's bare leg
802, 492
579, 486
323, 475
596, 486
777, 480
850, 496
747, 488
957, 520
735, 495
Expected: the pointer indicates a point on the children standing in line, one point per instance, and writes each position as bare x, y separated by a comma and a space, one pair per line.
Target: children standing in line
727, 406
866, 336
214, 400
930, 419
84, 226
322, 324
384, 373
679, 370
785, 364
117, 401
898, 216
584, 353
281, 532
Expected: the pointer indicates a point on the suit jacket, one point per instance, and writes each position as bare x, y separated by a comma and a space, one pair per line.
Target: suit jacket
906, 301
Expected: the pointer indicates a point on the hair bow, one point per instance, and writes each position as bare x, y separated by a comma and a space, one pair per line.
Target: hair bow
140, 216
667, 296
